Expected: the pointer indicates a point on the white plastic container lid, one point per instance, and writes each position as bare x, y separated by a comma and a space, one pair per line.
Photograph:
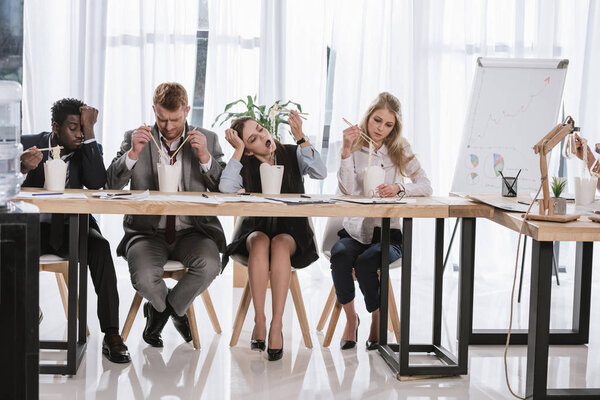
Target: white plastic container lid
10, 91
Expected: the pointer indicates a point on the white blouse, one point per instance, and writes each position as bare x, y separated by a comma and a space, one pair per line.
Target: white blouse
350, 180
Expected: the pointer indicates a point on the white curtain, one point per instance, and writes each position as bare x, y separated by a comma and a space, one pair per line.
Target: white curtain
111, 54
232, 64
63, 56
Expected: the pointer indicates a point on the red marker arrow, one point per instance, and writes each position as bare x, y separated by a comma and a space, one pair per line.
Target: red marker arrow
547, 80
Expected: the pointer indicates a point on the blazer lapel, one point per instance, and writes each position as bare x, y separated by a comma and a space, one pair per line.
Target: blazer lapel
154, 155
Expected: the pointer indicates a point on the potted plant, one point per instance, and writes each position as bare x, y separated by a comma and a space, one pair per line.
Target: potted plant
560, 204
270, 117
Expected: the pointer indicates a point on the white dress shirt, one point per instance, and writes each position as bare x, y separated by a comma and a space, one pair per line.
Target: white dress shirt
350, 181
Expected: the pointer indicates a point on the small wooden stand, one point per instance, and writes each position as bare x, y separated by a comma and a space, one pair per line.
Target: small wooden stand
543, 147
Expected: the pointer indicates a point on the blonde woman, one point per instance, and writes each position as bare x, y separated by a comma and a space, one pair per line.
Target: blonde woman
359, 247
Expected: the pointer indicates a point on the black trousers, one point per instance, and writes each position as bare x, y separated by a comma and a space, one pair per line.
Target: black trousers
102, 271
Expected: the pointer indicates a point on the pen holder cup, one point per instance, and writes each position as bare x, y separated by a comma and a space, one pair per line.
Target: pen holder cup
509, 186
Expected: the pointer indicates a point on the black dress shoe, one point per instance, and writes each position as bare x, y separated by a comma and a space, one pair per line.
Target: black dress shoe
114, 349
155, 322
276, 354
350, 344
257, 345
372, 345
182, 324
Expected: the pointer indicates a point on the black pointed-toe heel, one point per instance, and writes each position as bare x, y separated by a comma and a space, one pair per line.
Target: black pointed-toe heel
350, 344
276, 354
372, 345
257, 345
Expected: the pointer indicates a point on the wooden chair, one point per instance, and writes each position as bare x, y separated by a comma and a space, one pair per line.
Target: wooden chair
330, 237
175, 270
60, 267
242, 310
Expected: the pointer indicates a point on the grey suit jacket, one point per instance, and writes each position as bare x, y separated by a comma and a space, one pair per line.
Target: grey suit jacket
144, 176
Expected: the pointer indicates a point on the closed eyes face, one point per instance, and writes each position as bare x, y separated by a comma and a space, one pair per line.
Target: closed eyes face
380, 124
257, 139
70, 135
171, 123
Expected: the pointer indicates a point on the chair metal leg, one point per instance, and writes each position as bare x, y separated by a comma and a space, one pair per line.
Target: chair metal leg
300, 309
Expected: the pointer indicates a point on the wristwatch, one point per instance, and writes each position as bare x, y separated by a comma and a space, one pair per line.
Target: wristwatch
401, 192
300, 141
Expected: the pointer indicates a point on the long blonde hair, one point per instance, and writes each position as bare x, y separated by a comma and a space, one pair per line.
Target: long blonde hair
394, 142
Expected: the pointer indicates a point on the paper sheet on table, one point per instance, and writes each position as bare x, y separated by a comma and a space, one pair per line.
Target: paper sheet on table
122, 196
375, 200
50, 195
210, 199
302, 200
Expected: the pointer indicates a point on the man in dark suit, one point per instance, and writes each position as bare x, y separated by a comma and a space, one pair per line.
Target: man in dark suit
151, 240
73, 129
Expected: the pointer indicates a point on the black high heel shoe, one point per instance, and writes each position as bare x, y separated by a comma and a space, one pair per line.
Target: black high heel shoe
257, 345
276, 354
372, 345
350, 344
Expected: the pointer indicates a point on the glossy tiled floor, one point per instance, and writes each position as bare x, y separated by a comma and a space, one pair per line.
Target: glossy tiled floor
220, 372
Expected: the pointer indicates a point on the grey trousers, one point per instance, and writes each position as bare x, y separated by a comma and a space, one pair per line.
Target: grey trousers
147, 256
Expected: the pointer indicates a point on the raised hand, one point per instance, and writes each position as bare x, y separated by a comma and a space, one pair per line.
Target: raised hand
89, 116
30, 159
295, 125
350, 135
236, 142
198, 142
139, 138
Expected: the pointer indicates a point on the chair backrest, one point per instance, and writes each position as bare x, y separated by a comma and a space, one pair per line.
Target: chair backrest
330, 237
236, 229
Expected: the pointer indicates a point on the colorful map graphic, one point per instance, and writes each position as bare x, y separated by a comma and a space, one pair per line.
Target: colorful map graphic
498, 164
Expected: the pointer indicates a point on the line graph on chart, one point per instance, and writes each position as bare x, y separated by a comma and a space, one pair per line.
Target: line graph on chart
495, 120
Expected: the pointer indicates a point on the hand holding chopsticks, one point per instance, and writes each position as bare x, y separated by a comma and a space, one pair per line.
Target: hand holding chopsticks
363, 135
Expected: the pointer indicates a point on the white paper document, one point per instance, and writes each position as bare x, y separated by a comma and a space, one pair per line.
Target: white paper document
50, 195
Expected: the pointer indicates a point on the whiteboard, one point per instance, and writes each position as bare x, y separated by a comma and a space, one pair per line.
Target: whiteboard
514, 103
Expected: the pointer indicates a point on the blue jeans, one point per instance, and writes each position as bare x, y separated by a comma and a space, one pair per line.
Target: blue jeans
348, 253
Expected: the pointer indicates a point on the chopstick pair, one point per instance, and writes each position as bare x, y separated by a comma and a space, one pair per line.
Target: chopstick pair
287, 110
362, 133
50, 148
162, 154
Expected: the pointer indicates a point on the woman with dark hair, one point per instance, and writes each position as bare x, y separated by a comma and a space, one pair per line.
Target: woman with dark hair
272, 244
359, 247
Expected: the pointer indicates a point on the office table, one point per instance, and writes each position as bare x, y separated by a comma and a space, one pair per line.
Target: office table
424, 207
539, 335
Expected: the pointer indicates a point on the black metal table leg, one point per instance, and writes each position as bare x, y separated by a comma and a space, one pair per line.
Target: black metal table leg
397, 355
539, 323
438, 280
75, 344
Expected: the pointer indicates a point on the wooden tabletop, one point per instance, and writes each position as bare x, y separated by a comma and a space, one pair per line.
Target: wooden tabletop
582, 230
423, 207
